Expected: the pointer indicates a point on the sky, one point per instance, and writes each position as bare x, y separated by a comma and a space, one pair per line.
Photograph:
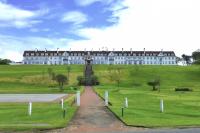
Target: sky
98, 24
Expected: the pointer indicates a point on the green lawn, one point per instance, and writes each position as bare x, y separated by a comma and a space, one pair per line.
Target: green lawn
180, 108
14, 116
35, 79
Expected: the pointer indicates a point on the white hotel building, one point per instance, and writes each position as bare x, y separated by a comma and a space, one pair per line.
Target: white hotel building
100, 57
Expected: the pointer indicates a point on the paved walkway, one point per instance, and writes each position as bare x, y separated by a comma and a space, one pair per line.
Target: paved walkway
94, 117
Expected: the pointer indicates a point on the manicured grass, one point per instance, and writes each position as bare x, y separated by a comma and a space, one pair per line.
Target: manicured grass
14, 116
180, 108
35, 79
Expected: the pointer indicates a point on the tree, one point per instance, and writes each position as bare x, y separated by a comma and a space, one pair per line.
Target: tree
114, 74
5, 61
196, 57
61, 79
187, 59
155, 84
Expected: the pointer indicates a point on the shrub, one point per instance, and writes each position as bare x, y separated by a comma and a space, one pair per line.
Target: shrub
93, 80
81, 80
183, 89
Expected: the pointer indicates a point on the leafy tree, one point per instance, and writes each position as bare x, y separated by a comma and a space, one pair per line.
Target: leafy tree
196, 57
187, 59
61, 79
155, 84
114, 74
5, 61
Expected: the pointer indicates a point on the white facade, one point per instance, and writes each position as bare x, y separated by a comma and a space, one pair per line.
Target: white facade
100, 57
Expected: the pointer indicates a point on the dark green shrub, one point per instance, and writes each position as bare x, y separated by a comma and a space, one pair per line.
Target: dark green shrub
183, 89
93, 80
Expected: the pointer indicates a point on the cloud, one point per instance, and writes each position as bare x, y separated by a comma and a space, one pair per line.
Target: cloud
89, 2
8, 45
74, 17
11, 16
151, 24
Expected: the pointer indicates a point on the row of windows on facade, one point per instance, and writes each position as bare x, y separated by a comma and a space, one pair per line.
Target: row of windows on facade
102, 62
98, 54
79, 58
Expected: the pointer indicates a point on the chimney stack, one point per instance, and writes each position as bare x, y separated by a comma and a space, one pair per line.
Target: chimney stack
57, 50
45, 50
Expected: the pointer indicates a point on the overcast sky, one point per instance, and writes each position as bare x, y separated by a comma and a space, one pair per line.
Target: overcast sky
93, 24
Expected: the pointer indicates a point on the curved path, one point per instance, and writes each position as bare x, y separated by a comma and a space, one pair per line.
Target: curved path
94, 117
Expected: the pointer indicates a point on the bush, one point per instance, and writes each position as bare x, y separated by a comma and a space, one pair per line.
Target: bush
183, 89
93, 80
81, 80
